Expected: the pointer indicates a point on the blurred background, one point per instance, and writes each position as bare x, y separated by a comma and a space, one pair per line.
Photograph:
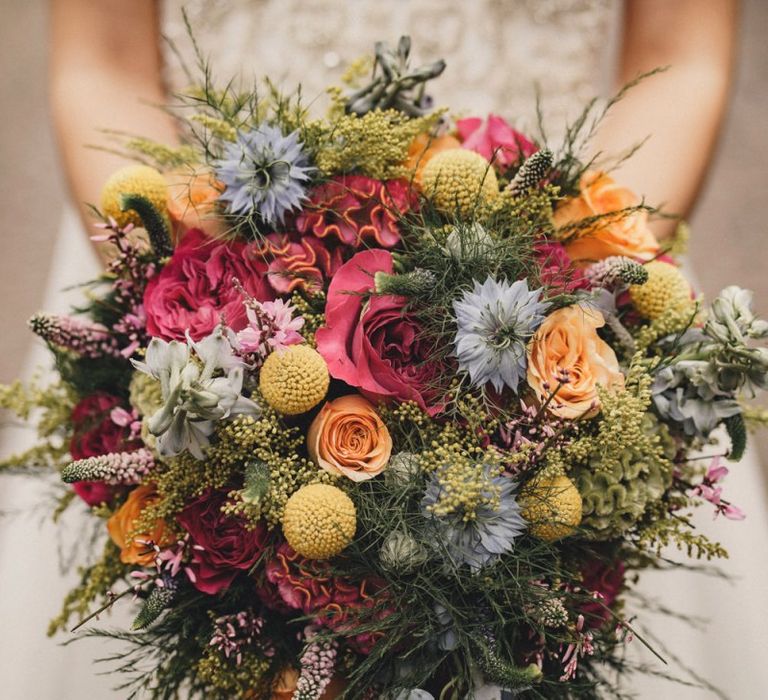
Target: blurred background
730, 234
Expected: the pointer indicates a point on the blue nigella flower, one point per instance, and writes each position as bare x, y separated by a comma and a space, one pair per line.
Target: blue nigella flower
264, 173
495, 321
481, 540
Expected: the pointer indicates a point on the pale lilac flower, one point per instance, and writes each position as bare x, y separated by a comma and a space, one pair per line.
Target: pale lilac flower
272, 326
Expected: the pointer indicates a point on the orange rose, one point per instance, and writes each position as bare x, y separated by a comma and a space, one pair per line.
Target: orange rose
568, 340
423, 148
121, 527
623, 234
192, 203
348, 438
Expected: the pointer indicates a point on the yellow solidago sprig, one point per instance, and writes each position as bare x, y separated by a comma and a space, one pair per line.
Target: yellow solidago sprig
375, 144
319, 521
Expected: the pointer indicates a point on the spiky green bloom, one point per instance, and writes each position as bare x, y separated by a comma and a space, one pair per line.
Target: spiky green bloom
114, 468
531, 173
145, 394
158, 600
737, 432
616, 269
410, 284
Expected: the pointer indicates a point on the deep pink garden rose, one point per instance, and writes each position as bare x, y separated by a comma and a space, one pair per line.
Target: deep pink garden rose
373, 343
194, 290
94, 434
225, 547
557, 269
494, 135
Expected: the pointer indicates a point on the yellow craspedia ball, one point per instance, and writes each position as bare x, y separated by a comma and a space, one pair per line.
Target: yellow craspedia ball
665, 289
319, 521
552, 507
458, 180
133, 179
294, 380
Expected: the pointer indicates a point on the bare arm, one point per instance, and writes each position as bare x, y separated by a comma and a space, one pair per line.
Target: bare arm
105, 72
682, 109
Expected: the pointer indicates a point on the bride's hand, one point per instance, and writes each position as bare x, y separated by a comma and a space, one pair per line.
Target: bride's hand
680, 110
105, 71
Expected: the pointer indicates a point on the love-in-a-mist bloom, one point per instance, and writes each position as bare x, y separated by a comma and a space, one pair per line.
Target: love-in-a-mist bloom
495, 322
264, 173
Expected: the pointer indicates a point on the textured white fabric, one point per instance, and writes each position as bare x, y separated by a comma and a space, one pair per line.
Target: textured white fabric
496, 51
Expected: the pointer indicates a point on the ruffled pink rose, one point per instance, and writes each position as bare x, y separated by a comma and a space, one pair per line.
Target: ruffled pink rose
372, 342
194, 291
223, 546
299, 262
494, 136
355, 210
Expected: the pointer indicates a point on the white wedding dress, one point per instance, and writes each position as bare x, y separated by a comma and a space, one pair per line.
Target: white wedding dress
498, 52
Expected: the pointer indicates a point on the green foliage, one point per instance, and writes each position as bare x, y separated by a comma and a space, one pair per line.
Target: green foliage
737, 432
95, 581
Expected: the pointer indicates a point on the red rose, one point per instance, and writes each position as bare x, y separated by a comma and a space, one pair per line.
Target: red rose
222, 545
194, 290
356, 209
495, 139
94, 492
94, 434
375, 344
606, 582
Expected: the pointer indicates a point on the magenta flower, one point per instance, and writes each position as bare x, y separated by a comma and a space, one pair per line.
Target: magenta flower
494, 139
709, 491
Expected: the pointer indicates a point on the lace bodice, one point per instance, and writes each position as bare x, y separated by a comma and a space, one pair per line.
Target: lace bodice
497, 51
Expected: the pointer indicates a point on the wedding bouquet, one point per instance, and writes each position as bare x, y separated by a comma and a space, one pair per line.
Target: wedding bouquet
384, 404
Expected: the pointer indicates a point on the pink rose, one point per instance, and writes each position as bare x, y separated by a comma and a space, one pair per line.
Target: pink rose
194, 290
372, 342
494, 135
556, 268
223, 545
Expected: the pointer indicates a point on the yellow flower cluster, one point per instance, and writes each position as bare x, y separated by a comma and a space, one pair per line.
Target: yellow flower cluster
133, 179
458, 181
375, 144
294, 380
145, 394
552, 506
319, 521
665, 289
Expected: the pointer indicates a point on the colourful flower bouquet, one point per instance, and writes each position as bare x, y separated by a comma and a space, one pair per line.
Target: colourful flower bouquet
383, 404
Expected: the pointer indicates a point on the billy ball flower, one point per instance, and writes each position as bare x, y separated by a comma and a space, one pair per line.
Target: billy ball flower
264, 173
294, 380
665, 289
457, 180
495, 321
319, 521
552, 506
133, 179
